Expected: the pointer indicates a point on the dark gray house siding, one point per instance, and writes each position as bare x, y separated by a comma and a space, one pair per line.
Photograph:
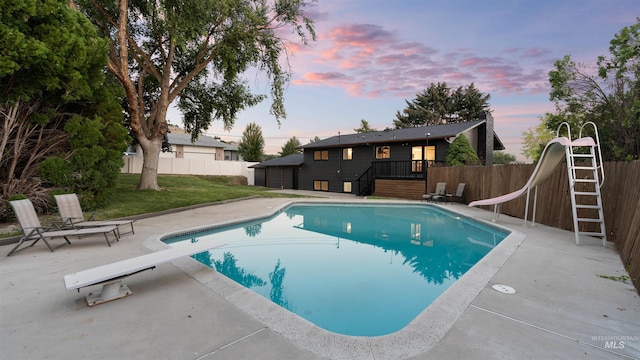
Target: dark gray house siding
278, 173
322, 167
282, 177
260, 177
337, 171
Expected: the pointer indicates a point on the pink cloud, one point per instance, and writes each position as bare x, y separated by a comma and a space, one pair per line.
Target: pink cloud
477, 61
373, 61
330, 76
360, 35
536, 52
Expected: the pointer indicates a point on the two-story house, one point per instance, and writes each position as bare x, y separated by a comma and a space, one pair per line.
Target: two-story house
351, 163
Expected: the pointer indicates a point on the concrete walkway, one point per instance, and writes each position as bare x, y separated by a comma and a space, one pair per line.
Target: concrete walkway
562, 308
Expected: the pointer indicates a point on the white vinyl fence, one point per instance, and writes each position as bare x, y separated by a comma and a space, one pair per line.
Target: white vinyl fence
175, 166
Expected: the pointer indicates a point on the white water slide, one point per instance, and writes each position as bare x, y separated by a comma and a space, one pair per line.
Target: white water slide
554, 153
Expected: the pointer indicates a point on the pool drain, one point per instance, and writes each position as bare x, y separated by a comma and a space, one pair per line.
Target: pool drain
504, 289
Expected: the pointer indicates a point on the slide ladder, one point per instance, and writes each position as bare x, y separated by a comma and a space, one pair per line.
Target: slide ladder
586, 176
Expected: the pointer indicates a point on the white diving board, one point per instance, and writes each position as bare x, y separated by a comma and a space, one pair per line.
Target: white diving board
111, 275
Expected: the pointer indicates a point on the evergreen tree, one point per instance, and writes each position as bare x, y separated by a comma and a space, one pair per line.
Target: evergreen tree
461, 153
66, 112
440, 104
291, 147
251, 145
364, 127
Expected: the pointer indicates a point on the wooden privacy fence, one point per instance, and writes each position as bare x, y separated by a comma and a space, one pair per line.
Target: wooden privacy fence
620, 198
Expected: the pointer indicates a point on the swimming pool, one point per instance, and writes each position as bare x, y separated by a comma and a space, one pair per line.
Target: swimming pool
363, 270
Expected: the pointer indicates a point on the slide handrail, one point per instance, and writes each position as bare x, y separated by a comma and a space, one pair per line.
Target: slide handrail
599, 162
560, 128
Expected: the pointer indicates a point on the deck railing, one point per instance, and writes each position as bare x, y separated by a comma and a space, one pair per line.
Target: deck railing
407, 169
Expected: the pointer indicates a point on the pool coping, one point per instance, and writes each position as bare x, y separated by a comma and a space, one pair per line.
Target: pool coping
417, 337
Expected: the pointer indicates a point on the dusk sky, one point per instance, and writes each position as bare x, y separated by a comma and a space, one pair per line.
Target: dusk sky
372, 55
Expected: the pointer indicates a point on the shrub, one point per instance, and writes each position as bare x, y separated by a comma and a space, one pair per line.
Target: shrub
461, 153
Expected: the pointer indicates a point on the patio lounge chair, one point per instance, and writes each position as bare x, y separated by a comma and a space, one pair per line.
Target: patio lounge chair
458, 194
73, 217
33, 231
438, 194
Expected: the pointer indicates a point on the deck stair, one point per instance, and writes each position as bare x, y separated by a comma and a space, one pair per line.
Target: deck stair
586, 176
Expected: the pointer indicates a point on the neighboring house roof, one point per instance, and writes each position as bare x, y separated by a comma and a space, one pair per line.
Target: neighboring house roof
203, 140
409, 134
289, 160
231, 147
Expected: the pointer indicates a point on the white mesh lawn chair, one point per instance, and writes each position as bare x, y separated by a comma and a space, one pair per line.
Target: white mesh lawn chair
458, 194
33, 231
438, 194
73, 217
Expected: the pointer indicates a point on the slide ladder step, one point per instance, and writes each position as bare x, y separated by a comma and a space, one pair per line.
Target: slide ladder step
585, 180
584, 206
586, 193
589, 166
590, 220
591, 233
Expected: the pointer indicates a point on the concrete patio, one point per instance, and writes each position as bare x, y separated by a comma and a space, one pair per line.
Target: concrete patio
563, 308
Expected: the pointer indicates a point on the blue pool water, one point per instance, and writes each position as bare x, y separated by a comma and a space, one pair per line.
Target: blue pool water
362, 270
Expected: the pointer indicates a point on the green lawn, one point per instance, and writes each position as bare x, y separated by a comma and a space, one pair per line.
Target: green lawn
177, 191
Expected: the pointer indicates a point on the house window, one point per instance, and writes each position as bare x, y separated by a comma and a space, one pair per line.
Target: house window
320, 222
416, 156
383, 152
347, 154
346, 227
346, 186
321, 155
321, 185
416, 230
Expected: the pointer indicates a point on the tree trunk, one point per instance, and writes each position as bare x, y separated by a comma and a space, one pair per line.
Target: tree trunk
151, 154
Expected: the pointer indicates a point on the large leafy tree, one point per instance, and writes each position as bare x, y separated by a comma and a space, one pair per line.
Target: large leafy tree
251, 146
535, 139
441, 104
52, 89
194, 53
292, 146
610, 98
503, 158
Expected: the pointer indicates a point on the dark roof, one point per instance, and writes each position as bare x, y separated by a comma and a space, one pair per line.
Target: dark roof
203, 140
289, 160
397, 135
497, 143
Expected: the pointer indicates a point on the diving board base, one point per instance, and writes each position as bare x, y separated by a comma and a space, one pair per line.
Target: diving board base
111, 275
112, 290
